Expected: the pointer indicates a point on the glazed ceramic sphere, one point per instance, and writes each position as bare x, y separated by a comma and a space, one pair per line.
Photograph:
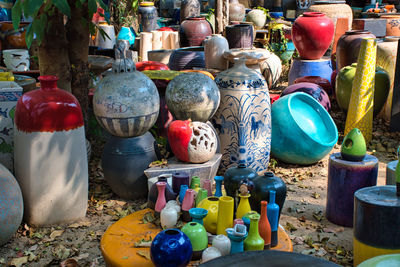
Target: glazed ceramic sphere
11, 205
313, 90
126, 104
171, 247
192, 96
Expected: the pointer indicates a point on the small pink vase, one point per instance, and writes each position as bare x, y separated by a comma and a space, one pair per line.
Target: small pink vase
208, 186
188, 200
161, 201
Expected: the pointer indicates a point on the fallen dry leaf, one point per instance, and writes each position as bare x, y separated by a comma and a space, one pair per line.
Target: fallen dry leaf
56, 233
144, 253
290, 227
316, 195
302, 219
143, 243
18, 262
80, 224
69, 263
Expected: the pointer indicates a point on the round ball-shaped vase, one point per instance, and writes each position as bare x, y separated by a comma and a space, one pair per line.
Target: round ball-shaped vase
11, 205
171, 247
324, 83
126, 104
312, 34
192, 96
168, 217
258, 17
150, 65
344, 85
197, 235
193, 31
313, 90
303, 132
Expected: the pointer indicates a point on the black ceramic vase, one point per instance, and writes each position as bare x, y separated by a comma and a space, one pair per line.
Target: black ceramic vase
236, 176
124, 161
153, 193
262, 185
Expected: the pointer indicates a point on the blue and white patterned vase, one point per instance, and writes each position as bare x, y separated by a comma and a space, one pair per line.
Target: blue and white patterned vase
243, 119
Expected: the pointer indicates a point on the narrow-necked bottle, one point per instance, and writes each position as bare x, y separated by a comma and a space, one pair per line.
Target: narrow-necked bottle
273, 218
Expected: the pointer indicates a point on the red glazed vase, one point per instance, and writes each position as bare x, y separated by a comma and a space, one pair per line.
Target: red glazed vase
150, 65
193, 31
50, 157
312, 34
324, 83
264, 228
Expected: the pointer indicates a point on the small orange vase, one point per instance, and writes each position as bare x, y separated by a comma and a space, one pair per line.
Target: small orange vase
264, 228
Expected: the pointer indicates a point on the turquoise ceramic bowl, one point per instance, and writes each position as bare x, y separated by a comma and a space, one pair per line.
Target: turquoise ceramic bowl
382, 261
303, 132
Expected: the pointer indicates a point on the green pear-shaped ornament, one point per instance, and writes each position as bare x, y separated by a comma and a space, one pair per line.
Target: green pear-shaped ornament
353, 146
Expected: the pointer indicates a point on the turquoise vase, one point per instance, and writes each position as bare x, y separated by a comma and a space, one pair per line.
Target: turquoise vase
218, 186
127, 33
273, 218
182, 192
237, 235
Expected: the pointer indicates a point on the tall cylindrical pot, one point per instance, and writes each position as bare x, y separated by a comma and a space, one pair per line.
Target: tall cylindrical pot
214, 48
225, 214
348, 47
50, 155
245, 131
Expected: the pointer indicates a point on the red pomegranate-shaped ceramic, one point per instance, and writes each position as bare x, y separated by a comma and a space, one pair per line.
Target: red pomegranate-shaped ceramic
193, 142
312, 34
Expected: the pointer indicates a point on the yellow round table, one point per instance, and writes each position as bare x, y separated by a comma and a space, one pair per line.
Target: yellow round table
118, 242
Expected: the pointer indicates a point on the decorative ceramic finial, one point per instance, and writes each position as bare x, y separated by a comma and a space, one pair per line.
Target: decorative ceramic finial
123, 63
353, 146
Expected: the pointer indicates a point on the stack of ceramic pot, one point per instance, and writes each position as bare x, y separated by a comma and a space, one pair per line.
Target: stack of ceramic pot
312, 34
126, 104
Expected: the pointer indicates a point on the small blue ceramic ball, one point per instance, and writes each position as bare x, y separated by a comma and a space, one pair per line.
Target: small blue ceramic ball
11, 205
171, 248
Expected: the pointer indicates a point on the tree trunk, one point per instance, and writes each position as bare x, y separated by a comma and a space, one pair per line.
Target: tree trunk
53, 52
78, 37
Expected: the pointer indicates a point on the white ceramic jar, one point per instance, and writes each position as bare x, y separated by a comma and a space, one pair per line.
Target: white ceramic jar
214, 48
168, 217
210, 253
222, 243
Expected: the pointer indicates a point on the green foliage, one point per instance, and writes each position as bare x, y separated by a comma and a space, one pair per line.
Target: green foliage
124, 11
210, 13
40, 10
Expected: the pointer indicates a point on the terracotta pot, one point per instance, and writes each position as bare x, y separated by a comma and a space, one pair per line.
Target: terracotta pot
237, 11
348, 47
312, 34
392, 25
386, 58
15, 40
193, 31
49, 125
189, 8
239, 36
214, 48
246, 130
187, 58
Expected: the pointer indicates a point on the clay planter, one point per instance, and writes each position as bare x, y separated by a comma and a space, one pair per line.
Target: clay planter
187, 58
193, 31
348, 47
392, 25
239, 36
237, 11
313, 90
344, 85
192, 96
312, 34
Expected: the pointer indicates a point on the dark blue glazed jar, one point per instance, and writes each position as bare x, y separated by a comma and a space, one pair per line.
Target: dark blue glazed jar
171, 248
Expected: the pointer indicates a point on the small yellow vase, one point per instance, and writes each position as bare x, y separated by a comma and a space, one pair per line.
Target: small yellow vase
210, 221
225, 214
243, 207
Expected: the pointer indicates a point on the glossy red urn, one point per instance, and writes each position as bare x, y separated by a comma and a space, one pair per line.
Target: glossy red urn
50, 157
312, 34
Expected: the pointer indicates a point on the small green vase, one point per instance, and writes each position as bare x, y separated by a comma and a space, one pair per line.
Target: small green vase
198, 237
195, 181
201, 194
254, 241
353, 146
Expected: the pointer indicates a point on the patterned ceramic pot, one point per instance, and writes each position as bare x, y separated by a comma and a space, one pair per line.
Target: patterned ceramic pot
147, 16
392, 25
187, 58
126, 102
11, 205
192, 96
245, 130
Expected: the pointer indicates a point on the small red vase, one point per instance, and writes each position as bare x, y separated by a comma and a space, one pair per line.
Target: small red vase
264, 228
161, 201
193, 31
312, 34
150, 65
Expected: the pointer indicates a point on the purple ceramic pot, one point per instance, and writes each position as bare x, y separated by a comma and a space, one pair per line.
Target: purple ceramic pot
187, 58
313, 90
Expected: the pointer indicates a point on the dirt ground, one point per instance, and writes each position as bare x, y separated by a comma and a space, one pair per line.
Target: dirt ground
303, 215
